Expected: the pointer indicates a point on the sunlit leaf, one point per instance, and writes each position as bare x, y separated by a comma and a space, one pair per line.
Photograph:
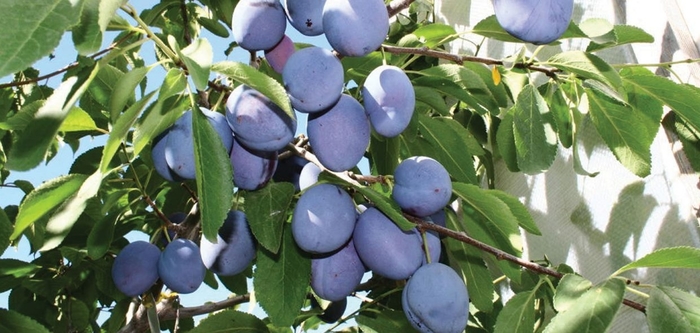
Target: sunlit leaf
672, 257
198, 57
593, 312
672, 310
231, 321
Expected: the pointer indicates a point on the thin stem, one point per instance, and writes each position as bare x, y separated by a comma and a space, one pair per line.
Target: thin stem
134, 14
396, 6
637, 292
660, 64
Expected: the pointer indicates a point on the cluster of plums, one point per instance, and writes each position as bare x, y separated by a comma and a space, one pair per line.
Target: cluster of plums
182, 264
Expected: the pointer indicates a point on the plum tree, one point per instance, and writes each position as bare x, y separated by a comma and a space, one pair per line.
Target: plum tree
235, 247
435, 299
258, 24
314, 79
534, 21
278, 55
252, 169
180, 266
257, 122
335, 276
340, 136
323, 219
135, 268
305, 15
389, 99
422, 186
385, 248
355, 28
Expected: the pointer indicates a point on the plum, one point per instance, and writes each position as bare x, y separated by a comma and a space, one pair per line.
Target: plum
334, 277
435, 299
179, 148
422, 186
340, 136
314, 79
289, 170
135, 268
235, 247
333, 312
305, 15
385, 248
389, 99
308, 176
323, 219
251, 169
158, 156
258, 24
180, 266
534, 21
278, 55
355, 28
257, 122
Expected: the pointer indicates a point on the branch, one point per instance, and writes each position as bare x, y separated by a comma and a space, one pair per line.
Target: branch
168, 311
396, 6
460, 59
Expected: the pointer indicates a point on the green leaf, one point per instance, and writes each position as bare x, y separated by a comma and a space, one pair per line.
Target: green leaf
174, 83
489, 27
561, 113
436, 34
77, 120
5, 231
214, 26
625, 34
385, 154
264, 84
281, 281
689, 137
17, 268
100, 238
522, 215
12, 321
44, 199
214, 175
672, 310
448, 87
432, 98
23, 117
627, 133
64, 218
586, 65
599, 30
452, 144
120, 130
32, 30
671, 257
230, 321
593, 311
533, 129
105, 84
505, 138
388, 206
383, 321
569, 290
94, 18
266, 210
157, 118
123, 93
518, 315
198, 57
468, 80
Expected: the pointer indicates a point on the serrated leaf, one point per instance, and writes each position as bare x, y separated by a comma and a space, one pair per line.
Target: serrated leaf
281, 281
231, 321
561, 113
32, 30
689, 137
12, 321
44, 199
518, 315
627, 133
468, 80
671, 257
94, 18
385, 154
77, 120
522, 215
266, 209
506, 141
65, 217
214, 175
586, 65
593, 312
672, 310
453, 146
198, 58
123, 93
5, 230
264, 84
569, 289
436, 34
533, 130
625, 34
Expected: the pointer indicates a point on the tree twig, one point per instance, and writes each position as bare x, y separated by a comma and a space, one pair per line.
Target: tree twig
395, 6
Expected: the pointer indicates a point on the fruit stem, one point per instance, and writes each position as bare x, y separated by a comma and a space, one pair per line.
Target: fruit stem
426, 248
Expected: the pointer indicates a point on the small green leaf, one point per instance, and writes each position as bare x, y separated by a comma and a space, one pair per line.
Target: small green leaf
105, 84
586, 65
518, 315
453, 146
17, 268
448, 87
522, 215
63, 220
32, 30
432, 98
385, 154
468, 80
157, 118
281, 281
123, 94
77, 120
436, 34
174, 83
383, 321
214, 175
671, 257
100, 238
231, 321
94, 18
12, 321
599, 30
569, 289
214, 26
198, 57
506, 141
24, 117
266, 210
592, 312
44, 199
264, 84
561, 112
625, 34
533, 130
672, 310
